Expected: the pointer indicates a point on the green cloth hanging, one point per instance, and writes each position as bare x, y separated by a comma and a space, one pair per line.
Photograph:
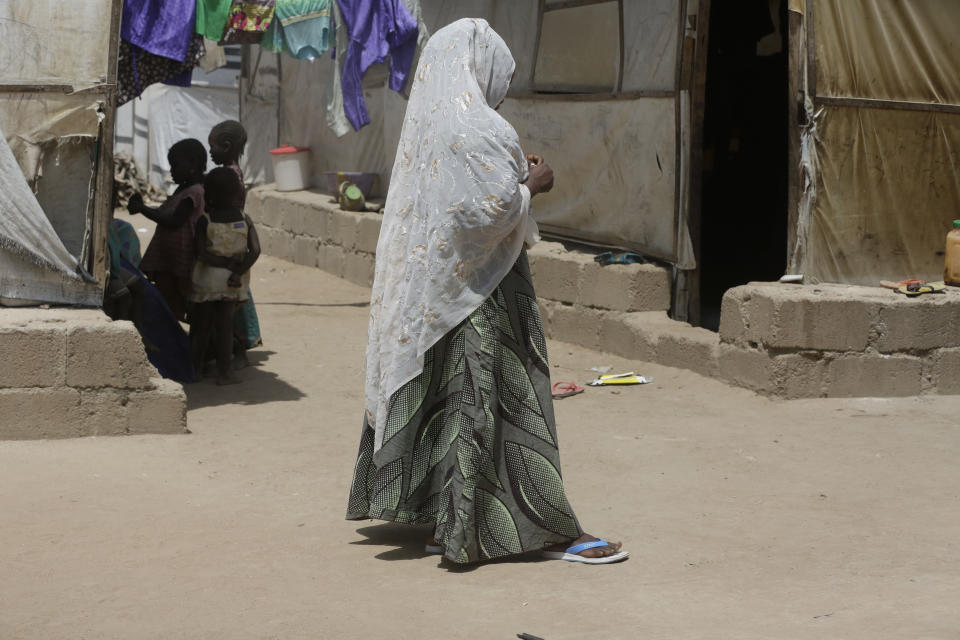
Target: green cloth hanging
212, 18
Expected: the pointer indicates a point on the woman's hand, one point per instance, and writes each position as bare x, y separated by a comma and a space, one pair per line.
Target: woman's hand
135, 204
540, 179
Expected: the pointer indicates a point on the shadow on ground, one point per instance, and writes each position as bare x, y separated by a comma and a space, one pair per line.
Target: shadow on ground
409, 540
257, 386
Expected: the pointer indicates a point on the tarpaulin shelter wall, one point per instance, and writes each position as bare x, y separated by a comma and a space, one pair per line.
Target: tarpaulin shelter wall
601, 89
57, 81
149, 125
876, 138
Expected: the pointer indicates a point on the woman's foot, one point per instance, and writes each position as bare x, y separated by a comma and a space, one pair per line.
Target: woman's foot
598, 554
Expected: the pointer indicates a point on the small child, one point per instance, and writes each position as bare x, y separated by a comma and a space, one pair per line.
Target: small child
227, 246
168, 260
228, 140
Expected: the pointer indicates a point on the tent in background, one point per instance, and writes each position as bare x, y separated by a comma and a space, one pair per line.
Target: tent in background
57, 75
149, 125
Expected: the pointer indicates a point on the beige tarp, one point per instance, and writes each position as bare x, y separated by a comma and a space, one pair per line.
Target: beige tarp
55, 42
888, 185
54, 66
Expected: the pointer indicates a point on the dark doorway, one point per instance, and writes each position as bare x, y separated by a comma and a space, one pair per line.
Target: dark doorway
744, 200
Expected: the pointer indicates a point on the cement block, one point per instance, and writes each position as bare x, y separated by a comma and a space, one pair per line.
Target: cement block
625, 335
689, 348
760, 320
800, 375
331, 259
918, 325
33, 356
306, 250
103, 412
358, 268
267, 212
746, 367
107, 355
315, 223
873, 375
946, 371
573, 324
291, 215
733, 319
162, 409
556, 278
28, 414
621, 287
343, 228
826, 324
268, 239
368, 232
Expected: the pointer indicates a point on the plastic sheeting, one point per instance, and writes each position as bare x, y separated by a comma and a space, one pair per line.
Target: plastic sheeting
33, 261
614, 163
35, 120
186, 113
886, 185
55, 42
888, 49
889, 187
24, 228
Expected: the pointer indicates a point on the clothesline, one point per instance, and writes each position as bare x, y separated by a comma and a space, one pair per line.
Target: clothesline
163, 40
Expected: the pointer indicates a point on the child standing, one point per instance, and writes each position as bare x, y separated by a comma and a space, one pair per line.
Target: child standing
227, 142
226, 246
168, 260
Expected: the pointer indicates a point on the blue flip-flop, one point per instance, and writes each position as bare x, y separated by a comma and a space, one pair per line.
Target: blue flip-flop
570, 555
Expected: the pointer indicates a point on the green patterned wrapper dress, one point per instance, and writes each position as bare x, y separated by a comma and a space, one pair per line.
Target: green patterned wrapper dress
470, 444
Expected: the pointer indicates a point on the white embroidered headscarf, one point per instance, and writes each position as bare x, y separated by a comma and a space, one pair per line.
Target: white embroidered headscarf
456, 214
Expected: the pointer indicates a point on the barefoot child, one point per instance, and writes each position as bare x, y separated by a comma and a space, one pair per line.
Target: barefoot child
227, 246
168, 260
227, 142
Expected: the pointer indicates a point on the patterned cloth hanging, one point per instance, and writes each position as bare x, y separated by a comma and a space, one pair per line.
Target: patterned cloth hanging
248, 21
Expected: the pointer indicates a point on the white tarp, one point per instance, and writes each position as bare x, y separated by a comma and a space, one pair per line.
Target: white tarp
32, 257
55, 42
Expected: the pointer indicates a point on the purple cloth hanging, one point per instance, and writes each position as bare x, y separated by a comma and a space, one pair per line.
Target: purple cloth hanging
376, 29
160, 27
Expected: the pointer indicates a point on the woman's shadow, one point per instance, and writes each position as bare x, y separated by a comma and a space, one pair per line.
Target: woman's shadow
408, 542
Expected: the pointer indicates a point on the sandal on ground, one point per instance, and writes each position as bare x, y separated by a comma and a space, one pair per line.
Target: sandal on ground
571, 554
433, 549
566, 389
916, 288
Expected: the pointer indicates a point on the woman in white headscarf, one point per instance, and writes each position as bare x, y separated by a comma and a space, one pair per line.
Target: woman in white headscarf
459, 429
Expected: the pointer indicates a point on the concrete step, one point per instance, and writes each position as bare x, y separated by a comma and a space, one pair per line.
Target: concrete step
74, 372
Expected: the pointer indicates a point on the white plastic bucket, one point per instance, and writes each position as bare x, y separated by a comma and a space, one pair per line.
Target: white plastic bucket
291, 167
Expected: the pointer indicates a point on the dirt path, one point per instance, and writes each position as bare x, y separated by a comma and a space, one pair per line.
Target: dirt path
746, 518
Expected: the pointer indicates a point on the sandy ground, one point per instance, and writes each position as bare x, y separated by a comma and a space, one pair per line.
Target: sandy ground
745, 517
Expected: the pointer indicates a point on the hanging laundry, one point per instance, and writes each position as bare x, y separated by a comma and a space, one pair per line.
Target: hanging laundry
161, 27
304, 27
248, 20
214, 57
376, 29
138, 69
212, 18
272, 39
